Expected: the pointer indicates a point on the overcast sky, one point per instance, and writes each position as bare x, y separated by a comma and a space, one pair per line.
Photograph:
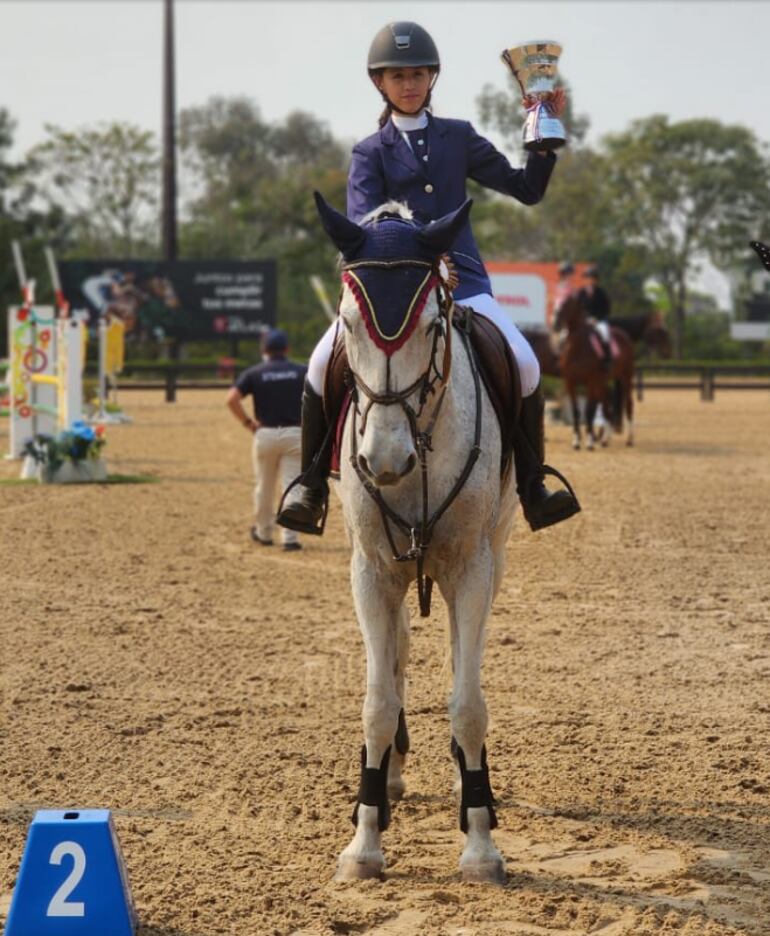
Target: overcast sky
74, 62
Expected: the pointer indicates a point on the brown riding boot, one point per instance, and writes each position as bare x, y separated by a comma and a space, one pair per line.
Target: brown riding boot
306, 500
542, 508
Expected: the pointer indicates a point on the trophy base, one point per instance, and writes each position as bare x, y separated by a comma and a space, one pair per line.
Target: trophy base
543, 132
548, 143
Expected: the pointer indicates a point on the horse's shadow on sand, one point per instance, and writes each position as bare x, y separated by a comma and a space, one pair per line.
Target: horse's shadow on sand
735, 829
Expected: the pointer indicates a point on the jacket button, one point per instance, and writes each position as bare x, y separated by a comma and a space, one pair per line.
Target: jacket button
429, 188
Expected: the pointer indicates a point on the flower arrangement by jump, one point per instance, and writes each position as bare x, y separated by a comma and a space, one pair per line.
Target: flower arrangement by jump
78, 444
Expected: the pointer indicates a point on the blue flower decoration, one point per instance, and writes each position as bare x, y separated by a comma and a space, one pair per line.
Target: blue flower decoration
83, 431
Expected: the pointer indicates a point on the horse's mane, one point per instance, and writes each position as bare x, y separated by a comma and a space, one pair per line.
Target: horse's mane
390, 209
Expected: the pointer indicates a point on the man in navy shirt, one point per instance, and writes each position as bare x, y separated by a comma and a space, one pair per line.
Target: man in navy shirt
275, 387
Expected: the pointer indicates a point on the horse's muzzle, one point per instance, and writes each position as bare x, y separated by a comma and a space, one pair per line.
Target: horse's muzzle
386, 478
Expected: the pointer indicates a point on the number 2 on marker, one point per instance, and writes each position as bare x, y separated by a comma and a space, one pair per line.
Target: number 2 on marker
58, 907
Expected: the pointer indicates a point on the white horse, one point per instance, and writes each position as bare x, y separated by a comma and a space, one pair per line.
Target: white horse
417, 402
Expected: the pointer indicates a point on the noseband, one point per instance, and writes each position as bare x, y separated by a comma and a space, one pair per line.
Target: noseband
427, 385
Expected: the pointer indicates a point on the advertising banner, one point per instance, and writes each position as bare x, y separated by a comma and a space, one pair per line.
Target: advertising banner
185, 299
527, 291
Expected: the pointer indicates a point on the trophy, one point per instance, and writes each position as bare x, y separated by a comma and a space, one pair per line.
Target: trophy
534, 67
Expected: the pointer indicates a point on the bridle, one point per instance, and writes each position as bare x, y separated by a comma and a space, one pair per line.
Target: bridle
431, 384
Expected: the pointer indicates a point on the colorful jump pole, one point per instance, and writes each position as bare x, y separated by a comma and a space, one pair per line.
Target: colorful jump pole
32, 351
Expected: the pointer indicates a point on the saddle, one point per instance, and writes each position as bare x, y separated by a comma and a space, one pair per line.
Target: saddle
598, 347
494, 360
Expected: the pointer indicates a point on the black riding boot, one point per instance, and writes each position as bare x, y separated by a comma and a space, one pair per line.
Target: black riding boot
304, 506
542, 508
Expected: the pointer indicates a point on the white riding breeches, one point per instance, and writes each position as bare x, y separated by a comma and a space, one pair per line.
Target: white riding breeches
484, 304
604, 330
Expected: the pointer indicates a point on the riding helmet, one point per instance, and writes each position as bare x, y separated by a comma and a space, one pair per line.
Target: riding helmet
592, 272
565, 268
403, 45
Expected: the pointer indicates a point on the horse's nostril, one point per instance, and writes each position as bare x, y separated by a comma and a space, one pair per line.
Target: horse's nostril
410, 463
364, 464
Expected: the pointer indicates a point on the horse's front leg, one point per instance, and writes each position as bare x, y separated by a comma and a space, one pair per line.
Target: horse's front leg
396, 783
591, 404
378, 596
469, 598
572, 391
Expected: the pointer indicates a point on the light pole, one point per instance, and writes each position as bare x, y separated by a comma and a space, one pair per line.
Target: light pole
168, 221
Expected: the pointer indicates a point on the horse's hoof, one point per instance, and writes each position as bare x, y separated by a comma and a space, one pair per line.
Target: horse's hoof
576, 446
488, 872
396, 789
348, 869
629, 443
605, 442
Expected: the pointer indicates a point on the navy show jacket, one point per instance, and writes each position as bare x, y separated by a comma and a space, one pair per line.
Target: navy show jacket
384, 167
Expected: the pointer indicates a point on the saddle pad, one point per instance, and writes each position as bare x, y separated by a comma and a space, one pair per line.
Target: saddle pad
497, 369
499, 374
598, 350
337, 397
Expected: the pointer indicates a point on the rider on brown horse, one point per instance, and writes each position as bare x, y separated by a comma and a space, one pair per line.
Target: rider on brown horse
596, 303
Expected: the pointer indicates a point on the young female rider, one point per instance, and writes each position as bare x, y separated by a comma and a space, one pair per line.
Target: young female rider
424, 161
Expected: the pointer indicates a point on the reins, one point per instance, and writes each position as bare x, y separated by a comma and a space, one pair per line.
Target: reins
427, 385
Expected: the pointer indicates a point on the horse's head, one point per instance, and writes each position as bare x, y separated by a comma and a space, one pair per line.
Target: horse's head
395, 314
570, 314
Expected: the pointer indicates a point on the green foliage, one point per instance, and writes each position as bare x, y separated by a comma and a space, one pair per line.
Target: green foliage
707, 337
105, 181
685, 191
575, 221
647, 204
253, 182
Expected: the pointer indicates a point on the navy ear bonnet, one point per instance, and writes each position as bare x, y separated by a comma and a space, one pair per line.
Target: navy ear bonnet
390, 238
391, 266
390, 298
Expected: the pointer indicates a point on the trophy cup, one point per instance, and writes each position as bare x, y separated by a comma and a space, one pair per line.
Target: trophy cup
534, 67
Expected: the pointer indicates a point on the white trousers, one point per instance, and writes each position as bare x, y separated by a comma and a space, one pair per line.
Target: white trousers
484, 304
274, 452
604, 330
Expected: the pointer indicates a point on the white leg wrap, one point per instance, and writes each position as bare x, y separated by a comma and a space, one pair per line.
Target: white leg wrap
316, 366
529, 369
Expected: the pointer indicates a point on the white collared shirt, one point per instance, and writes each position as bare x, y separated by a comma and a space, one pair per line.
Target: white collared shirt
405, 123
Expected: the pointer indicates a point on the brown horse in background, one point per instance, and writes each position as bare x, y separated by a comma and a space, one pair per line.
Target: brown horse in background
647, 329
580, 365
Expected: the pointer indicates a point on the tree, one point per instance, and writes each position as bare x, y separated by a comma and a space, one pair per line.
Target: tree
105, 180
249, 186
685, 191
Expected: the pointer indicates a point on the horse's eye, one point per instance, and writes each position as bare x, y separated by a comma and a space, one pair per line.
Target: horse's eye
347, 325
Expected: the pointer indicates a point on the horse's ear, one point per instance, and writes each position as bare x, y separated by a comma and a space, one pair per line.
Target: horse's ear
346, 234
439, 235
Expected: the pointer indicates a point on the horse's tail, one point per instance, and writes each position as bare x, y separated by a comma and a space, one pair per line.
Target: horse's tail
618, 399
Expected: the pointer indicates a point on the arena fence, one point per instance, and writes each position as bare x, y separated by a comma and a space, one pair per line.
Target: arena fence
171, 377
706, 379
